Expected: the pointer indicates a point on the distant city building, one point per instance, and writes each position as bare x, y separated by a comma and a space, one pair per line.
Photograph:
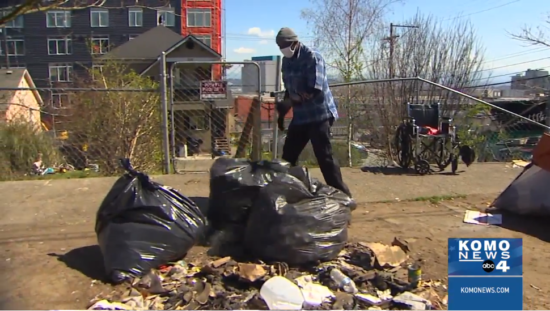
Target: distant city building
270, 67
533, 81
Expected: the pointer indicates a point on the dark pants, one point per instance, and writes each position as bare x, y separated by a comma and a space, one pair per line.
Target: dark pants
319, 133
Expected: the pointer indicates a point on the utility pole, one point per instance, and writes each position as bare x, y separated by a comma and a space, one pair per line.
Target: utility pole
391, 40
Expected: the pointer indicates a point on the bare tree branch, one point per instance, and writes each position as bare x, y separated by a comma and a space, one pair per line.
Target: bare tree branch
539, 35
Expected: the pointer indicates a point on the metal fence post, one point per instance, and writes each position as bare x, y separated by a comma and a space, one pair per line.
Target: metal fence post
164, 111
278, 87
257, 125
547, 112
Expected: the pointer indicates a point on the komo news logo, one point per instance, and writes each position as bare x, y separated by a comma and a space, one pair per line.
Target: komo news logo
486, 252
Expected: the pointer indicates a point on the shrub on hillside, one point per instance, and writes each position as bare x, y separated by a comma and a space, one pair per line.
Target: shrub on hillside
20, 145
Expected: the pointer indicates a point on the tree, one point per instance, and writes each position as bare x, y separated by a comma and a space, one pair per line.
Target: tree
109, 125
535, 36
16, 8
446, 53
342, 28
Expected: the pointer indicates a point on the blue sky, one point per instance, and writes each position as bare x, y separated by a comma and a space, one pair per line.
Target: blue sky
252, 24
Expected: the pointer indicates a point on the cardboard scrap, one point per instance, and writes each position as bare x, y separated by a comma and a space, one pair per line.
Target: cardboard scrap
387, 256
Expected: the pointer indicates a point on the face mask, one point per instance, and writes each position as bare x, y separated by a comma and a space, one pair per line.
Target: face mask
288, 52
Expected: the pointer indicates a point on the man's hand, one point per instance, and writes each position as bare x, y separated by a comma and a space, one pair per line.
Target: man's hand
282, 109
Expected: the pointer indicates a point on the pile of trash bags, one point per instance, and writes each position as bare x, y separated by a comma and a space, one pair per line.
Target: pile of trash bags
276, 212
142, 224
284, 215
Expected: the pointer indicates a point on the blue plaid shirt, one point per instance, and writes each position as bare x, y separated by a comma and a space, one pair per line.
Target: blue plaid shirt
304, 72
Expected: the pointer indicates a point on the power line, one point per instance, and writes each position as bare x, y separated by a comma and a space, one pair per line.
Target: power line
483, 11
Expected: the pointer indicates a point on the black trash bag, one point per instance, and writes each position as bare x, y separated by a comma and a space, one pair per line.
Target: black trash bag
234, 185
142, 224
290, 224
315, 186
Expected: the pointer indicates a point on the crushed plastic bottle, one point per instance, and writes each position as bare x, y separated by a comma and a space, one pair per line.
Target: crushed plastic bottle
343, 281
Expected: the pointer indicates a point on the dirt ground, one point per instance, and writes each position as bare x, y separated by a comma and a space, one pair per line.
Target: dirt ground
48, 256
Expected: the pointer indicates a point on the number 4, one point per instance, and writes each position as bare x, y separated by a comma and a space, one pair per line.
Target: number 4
503, 266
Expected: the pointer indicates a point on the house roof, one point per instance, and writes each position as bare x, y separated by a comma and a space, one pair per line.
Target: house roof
147, 46
150, 44
11, 79
180, 43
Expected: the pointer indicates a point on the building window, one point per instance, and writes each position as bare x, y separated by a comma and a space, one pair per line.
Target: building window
16, 47
132, 37
61, 73
100, 44
14, 23
206, 39
58, 19
96, 70
60, 46
199, 17
99, 18
166, 17
60, 100
135, 17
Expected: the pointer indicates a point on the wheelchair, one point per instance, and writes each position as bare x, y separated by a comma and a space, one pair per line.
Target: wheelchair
425, 138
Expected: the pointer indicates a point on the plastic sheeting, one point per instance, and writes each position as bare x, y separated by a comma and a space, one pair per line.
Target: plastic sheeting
528, 194
234, 185
288, 223
142, 224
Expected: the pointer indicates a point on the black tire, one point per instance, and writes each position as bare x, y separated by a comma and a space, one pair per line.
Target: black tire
454, 164
444, 154
403, 146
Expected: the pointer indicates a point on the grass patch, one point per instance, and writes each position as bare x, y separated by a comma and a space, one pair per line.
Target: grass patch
438, 198
432, 199
66, 175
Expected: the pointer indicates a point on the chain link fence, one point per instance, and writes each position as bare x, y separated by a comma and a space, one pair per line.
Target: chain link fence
79, 131
191, 112
214, 111
371, 111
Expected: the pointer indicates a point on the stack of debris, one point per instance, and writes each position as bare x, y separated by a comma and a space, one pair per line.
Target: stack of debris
370, 276
291, 232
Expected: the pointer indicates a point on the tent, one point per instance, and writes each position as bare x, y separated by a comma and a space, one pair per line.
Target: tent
529, 193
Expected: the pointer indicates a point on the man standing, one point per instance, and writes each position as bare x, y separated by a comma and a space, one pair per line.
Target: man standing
307, 92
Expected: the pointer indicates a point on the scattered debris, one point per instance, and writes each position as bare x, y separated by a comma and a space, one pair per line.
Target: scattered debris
415, 302
535, 287
368, 276
484, 219
220, 262
251, 272
387, 256
280, 293
519, 163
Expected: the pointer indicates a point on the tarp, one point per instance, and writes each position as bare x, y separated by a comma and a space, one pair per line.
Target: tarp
529, 193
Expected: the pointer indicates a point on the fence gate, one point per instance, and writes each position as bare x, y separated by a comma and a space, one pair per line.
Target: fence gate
213, 110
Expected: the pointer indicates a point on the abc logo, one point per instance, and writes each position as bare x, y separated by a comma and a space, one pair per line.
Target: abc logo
488, 266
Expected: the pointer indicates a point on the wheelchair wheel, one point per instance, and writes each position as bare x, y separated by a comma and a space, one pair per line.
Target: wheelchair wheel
403, 146
422, 167
444, 154
454, 164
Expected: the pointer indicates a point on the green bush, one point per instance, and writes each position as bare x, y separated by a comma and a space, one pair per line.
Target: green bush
20, 144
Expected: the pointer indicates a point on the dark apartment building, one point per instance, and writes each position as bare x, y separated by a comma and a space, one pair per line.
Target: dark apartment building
53, 45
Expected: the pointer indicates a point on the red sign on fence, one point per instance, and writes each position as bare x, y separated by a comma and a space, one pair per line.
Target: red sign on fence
213, 90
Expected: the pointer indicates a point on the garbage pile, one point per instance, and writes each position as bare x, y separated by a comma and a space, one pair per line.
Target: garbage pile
278, 240
369, 276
